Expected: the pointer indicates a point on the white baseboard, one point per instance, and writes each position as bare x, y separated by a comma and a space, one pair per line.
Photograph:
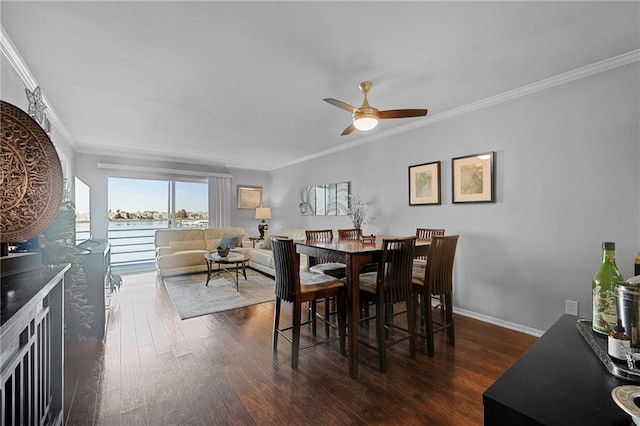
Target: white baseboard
499, 322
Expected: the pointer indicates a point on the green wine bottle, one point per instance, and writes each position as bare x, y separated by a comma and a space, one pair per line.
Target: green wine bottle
605, 314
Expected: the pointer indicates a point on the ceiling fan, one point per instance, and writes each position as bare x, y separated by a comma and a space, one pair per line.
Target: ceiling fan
366, 117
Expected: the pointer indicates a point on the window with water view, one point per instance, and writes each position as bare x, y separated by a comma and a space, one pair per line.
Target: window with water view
138, 207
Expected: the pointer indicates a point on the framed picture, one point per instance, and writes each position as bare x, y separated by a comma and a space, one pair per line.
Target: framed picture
424, 184
249, 197
473, 178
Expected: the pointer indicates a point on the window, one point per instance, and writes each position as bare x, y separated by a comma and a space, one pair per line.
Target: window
137, 207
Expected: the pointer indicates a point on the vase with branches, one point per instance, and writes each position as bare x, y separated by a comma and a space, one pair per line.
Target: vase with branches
357, 211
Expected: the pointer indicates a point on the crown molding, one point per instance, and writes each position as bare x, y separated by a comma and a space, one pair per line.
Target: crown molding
560, 79
18, 64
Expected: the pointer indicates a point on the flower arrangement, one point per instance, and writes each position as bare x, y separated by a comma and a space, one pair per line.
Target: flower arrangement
357, 211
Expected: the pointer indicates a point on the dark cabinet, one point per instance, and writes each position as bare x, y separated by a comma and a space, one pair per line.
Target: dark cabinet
31, 347
558, 381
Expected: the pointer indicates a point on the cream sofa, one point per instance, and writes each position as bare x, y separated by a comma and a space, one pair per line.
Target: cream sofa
262, 259
181, 251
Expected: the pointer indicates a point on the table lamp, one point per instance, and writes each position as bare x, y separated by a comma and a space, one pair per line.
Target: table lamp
263, 213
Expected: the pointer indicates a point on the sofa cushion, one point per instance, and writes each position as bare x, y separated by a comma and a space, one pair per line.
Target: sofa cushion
164, 236
183, 258
187, 245
263, 257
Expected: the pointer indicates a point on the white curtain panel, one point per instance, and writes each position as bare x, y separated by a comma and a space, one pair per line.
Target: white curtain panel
219, 201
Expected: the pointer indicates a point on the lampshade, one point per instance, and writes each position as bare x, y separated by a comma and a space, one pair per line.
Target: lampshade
263, 213
364, 121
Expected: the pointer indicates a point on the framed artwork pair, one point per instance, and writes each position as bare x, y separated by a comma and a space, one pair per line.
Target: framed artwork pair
472, 180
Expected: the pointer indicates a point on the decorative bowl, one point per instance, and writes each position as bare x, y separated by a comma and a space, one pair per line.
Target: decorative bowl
223, 252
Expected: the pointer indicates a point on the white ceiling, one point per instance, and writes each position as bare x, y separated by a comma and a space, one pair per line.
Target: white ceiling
241, 83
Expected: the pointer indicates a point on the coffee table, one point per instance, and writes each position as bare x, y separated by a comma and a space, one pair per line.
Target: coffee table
234, 260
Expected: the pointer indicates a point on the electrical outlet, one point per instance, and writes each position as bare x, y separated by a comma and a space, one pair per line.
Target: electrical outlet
571, 307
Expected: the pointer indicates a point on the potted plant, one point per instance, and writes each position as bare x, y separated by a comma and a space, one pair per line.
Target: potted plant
357, 211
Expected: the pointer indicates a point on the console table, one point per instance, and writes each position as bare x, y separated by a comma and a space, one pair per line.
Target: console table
32, 347
558, 381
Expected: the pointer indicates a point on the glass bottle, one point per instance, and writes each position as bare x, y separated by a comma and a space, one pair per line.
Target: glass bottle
605, 315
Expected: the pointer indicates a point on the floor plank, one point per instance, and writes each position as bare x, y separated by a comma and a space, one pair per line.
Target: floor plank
155, 369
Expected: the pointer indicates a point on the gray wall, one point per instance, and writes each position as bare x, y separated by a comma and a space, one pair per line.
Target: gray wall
12, 90
246, 218
567, 179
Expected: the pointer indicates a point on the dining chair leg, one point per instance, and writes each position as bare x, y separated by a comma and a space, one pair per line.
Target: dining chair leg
342, 322
314, 323
327, 312
388, 315
276, 323
295, 344
380, 335
411, 322
428, 318
365, 312
451, 339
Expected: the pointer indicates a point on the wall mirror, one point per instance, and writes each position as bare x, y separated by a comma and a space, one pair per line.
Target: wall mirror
330, 199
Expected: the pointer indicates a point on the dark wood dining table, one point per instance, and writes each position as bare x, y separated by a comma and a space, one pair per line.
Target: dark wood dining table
355, 254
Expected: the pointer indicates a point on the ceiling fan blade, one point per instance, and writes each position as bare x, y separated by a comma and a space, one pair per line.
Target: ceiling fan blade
341, 105
402, 113
348, 130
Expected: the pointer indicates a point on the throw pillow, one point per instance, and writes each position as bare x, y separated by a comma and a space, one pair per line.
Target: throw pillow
228, 241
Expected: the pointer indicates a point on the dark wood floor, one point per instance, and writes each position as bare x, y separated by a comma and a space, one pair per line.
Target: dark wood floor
155, 369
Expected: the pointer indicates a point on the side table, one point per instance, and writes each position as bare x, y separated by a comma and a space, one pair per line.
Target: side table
254, 239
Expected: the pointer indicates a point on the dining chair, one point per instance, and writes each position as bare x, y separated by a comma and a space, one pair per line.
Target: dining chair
390, 285
325, 266
350, 234
297, 288
437, 281
427, 233
419, 262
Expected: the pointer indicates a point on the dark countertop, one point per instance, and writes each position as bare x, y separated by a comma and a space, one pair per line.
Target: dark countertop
17, 290
558, 381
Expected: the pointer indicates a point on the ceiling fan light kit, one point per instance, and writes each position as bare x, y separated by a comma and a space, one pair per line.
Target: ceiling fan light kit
366, 117
365, 121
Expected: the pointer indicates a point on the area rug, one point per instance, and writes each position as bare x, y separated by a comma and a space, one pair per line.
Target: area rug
192, 299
